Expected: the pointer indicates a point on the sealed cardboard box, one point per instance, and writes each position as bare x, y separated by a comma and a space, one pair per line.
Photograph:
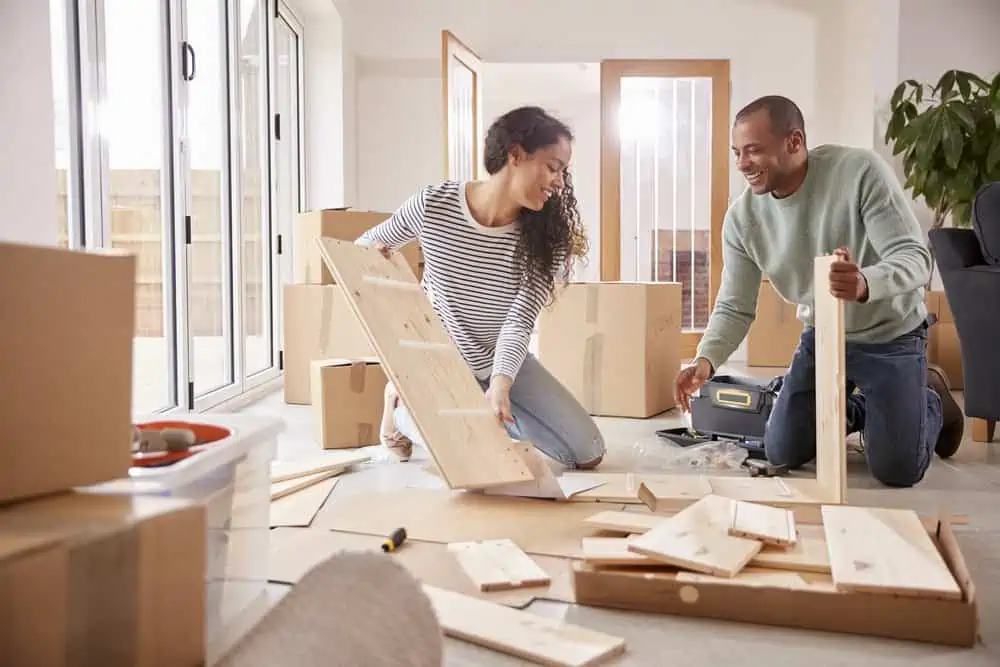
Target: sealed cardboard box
614, 345
775, 332
65, 368
96, 579
943, 347
344, 224
318, 324
347, 399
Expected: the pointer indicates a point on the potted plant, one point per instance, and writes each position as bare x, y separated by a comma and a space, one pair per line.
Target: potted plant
948, 136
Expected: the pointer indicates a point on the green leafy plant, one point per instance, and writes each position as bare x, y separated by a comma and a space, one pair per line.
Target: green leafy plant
948, 136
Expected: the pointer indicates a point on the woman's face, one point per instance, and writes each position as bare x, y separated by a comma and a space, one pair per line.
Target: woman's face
538, 176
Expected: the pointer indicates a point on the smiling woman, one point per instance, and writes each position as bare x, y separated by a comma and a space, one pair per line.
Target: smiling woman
493, 253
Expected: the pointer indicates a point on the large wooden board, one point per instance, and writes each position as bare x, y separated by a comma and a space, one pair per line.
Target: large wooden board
470, 447
520, 633
831, 386
880, 550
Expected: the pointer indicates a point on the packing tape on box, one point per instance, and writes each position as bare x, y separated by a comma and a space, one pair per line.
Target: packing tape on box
359, 372
593, 357
325, 318
591, 305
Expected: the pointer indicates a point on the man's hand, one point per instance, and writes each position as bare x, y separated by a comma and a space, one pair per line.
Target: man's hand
846, 280
690, 380
498, 396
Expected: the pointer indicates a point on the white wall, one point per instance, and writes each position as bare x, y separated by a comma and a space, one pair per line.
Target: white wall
27, 150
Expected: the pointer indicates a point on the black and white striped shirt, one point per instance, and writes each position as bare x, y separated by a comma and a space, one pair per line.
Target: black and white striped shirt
470, 277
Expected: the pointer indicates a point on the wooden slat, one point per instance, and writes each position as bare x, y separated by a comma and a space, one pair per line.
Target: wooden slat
880, 550
470, 451
334, 462
520, 633
770, 525
495, 565
831, 386
698, 539
612, 551
623, 522
289, 486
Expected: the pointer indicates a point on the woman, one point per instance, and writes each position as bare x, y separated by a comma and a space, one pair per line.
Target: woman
493, 251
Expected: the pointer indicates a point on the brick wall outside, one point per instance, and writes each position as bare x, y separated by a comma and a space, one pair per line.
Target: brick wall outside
684, 257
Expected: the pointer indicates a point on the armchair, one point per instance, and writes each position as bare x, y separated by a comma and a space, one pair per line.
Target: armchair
969, 262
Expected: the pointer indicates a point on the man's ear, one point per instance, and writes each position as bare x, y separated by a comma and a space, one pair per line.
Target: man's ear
796, 141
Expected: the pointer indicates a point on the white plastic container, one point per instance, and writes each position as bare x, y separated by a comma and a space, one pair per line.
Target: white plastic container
231, 477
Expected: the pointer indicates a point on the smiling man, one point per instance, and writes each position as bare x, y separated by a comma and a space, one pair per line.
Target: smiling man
802, 203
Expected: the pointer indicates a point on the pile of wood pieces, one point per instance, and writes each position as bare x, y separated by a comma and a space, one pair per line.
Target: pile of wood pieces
299, 488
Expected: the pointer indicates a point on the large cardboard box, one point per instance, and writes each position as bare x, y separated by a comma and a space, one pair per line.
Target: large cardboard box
338, 223
347, 399
65, 368
318, 324
614, 345
943, 347
96, 579
775, 332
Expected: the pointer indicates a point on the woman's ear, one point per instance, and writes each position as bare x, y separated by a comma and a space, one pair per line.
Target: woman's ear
516, 156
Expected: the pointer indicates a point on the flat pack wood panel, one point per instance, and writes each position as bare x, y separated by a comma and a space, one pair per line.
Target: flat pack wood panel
448, 407
498, 564
770, 525
289, 486
521, 634
623, 522
880, 550
831, 387
333, 462
698, 539
612, 551
300, 508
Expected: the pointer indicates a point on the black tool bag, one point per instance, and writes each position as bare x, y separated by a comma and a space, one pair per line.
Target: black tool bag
734, 407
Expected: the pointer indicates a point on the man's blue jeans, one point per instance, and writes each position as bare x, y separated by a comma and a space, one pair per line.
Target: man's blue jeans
897, 413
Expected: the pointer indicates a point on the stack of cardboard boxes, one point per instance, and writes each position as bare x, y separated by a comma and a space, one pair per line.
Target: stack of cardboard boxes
85, 578
328, 360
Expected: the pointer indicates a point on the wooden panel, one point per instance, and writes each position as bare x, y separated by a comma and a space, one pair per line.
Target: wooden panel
880, 550
468, 444
698, 539
612, 551
521, 634
831, 386
770, 525
495, 565
290, 486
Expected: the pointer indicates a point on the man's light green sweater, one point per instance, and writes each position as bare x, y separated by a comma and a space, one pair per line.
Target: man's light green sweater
850, 198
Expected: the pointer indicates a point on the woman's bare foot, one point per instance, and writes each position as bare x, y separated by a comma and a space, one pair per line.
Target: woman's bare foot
394, 441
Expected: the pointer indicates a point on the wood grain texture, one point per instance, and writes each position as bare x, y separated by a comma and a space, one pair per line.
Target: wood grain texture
698, 539
880, 550
770, 525
334, 462
495, 565
831, 386
471, 449
520, 633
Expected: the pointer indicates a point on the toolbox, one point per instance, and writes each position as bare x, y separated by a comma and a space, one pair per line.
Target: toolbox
734, 407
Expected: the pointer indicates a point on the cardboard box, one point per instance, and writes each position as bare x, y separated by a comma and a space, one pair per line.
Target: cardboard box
943, 346
318, 324
94, 579
347, 399
338, 223
65, 368
614, 345
955, 622
775, 332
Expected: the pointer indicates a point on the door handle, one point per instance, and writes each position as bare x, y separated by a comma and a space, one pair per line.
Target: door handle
188, 64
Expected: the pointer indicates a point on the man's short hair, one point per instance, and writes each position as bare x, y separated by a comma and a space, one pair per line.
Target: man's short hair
784, 114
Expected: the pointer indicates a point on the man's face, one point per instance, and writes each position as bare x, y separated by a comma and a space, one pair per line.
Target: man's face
764, 158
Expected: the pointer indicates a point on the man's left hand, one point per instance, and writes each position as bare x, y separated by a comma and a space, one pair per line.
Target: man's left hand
846, 280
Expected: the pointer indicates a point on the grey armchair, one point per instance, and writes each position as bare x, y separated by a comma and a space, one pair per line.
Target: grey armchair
969, 261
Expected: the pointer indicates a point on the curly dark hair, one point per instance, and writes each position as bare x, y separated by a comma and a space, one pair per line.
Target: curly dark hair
554, 236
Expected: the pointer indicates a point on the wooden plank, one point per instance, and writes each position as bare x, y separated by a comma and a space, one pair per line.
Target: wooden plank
761, 578
880, 550
809, 554
289, 486
612, 551
299, 509
470, 447
335, 462
495, 565
521, 634
698, 539
831, 386
623, 522
770, 525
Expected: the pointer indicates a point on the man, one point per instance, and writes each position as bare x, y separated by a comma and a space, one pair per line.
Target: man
846, 201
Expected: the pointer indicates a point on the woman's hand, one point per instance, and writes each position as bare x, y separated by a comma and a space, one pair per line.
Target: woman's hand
498, 396
382, 248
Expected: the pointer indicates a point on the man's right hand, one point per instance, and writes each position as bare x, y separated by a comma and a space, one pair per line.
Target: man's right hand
690, 380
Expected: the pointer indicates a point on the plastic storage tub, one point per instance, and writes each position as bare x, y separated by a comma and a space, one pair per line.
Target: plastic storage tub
231, 477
